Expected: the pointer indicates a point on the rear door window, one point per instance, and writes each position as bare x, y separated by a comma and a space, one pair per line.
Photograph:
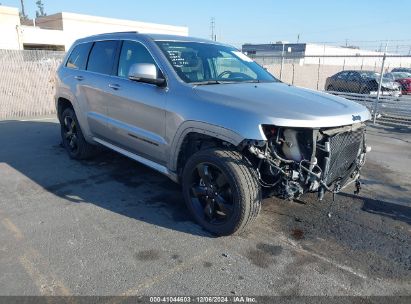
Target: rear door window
353, 76
78, 57
343, 75
102, 57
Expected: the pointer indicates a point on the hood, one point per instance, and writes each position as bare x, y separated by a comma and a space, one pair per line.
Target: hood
386, 83
284, 105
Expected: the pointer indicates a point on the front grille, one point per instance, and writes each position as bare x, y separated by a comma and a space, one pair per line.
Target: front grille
344, 148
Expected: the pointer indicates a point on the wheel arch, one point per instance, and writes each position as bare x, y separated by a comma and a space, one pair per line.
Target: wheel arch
64, 100
195, 130
62, 103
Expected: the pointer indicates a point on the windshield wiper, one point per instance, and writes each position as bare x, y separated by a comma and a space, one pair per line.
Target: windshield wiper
207, 82
251, 81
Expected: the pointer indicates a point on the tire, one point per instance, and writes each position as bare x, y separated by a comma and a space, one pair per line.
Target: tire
330, 88
72, 136
365, 91
238, 202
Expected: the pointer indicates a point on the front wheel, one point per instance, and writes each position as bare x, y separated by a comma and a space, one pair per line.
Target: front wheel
221, 191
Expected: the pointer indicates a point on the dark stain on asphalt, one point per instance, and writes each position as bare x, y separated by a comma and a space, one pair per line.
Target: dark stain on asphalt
173, 201
207, 264
263, 255
126, 178
270, 249
73, 182
147, 255
297, 234
365, 232
177, 258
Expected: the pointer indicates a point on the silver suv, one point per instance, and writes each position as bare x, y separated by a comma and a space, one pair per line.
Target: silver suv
210, 118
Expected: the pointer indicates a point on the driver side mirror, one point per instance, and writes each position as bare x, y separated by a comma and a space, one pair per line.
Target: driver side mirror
145, 72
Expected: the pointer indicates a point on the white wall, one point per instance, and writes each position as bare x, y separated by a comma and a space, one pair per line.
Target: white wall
9, 22
369, 62
64, 28
76, 26
35, 35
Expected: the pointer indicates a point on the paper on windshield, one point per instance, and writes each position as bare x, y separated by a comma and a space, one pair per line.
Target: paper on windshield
242, 56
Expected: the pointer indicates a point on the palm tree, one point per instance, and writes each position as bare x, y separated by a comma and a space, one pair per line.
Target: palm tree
23, 15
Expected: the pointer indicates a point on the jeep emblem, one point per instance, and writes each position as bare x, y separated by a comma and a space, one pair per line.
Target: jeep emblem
356, 117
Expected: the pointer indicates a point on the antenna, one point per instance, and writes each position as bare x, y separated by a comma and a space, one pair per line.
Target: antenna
212, 28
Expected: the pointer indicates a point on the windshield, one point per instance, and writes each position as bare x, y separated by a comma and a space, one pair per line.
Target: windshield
206, 63
369, 74
400, 75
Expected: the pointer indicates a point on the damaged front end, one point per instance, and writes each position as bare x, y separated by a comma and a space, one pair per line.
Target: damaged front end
294, 161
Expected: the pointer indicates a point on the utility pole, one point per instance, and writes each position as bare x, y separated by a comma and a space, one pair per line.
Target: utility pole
376, 104
212, 28
298, 38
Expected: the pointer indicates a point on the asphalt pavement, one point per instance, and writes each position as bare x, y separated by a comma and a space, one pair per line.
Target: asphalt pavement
110, 226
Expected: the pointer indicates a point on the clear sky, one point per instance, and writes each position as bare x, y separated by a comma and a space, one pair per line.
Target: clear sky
362, 22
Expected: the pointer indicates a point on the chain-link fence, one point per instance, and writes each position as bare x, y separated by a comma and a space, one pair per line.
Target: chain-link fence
382, 83
27, 82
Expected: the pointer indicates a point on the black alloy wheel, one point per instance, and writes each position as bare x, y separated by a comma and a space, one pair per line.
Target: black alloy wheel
221, 190
72, 137
70, 134
211, 194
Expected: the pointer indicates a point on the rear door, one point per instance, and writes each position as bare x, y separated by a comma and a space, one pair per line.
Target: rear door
339, 82
354, 82
136, 110
75, 75
100, 67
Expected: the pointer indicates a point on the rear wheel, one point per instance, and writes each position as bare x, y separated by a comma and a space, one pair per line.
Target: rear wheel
221, 191
72, 136
330, 88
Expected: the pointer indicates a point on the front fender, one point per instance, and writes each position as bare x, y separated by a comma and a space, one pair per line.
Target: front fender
192, 126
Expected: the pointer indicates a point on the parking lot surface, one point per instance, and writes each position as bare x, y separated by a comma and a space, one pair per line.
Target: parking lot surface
110, 226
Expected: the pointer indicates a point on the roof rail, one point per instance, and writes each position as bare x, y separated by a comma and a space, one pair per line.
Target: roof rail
126, 32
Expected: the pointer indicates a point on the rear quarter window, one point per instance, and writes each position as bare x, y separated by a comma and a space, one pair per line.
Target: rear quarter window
78, 57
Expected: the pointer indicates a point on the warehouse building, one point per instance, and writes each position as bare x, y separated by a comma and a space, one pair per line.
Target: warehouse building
59, 31
311, 53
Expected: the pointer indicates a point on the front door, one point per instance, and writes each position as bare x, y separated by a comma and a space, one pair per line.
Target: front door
136, 110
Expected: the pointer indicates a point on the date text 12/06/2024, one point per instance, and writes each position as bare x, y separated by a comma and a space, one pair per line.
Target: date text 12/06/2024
204, 299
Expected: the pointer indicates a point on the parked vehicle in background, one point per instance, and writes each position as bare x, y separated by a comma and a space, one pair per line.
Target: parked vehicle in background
403, 78
210, 118
407, 70
361, 82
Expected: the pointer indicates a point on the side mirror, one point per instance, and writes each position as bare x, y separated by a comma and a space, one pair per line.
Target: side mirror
145, 72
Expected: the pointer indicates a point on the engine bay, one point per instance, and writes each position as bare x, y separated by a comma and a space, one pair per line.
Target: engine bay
294, 161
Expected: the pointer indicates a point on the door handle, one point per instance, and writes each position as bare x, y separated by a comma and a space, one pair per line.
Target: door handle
80, 78
114, 86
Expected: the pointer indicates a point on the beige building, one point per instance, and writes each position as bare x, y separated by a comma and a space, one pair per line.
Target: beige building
59, 31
